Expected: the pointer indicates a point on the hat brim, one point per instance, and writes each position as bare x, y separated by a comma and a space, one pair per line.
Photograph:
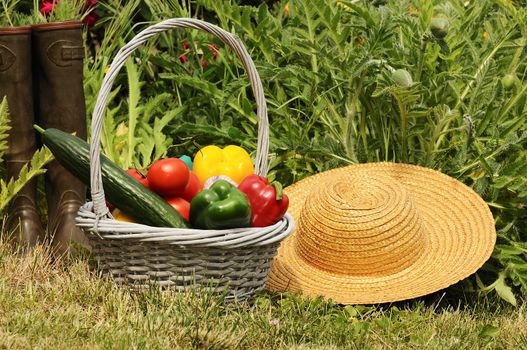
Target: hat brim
459, 236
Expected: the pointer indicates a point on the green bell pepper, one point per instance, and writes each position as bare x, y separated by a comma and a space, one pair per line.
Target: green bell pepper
220, 207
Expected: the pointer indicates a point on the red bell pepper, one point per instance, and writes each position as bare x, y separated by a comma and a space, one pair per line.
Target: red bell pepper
268, 202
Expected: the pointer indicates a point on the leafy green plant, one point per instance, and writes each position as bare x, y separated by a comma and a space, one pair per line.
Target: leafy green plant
4, 126
11, 16
132, 134
143, 139
36, 167
8, 12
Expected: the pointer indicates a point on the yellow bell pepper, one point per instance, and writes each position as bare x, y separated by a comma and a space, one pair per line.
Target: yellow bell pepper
231, 161
120, 216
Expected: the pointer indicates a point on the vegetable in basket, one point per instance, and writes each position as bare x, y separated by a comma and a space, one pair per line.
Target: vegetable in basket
138, 175
171, 177
268, 202
232, 161
220, 207
181, 205
192, 189
121, 189
168, 177
187, 160
120, 216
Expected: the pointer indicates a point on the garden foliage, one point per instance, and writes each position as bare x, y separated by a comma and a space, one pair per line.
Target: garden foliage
8, 189
336, 95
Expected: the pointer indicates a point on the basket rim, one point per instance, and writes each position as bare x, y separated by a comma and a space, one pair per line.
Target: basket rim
112, 230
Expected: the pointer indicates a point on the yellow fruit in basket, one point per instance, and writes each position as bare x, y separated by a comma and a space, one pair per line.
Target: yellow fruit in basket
120, 216
231, 161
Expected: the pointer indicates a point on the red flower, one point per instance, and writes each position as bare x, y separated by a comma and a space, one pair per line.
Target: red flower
215, 52
91, 18
90, 4
183, 58
47, 6
204, 62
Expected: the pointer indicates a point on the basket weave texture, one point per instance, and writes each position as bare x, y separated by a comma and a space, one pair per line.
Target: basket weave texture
234, 262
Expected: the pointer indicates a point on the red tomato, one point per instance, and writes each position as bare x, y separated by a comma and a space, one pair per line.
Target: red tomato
168, 177
138, 176
181, 205
192, 189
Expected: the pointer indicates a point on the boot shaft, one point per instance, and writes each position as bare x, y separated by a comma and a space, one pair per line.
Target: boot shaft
16, 83
58, 53
15, 56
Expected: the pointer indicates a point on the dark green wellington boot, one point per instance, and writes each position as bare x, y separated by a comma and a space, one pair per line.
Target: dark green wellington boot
58, 53
23, 222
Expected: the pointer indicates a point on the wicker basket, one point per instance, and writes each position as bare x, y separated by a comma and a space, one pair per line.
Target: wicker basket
234, 262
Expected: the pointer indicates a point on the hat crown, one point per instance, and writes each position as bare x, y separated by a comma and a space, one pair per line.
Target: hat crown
360, 224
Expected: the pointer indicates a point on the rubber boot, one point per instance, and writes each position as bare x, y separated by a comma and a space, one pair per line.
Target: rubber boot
58, 53
23, 222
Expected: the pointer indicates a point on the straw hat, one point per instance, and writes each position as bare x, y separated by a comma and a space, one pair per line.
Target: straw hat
381, 232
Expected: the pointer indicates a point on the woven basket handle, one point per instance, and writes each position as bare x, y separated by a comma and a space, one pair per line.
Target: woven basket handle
233, 42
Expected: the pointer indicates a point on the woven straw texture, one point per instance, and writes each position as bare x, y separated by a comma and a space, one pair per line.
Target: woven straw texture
381, 232
233, 262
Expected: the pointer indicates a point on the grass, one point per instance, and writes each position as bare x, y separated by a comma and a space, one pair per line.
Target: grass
335, 108
65, 305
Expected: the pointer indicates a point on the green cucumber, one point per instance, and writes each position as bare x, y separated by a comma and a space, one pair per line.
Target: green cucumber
121, 189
